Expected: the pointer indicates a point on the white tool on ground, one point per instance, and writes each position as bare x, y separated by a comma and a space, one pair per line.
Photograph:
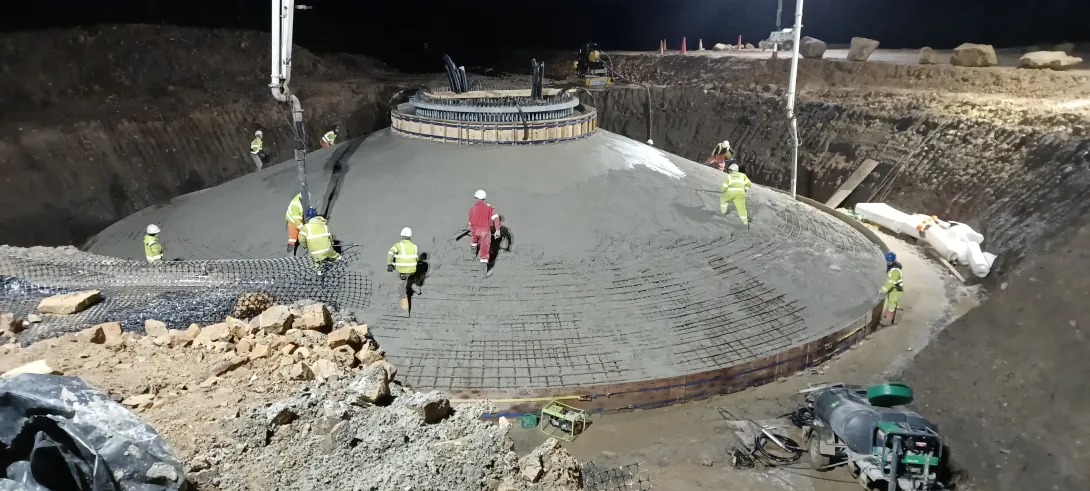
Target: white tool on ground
955, 242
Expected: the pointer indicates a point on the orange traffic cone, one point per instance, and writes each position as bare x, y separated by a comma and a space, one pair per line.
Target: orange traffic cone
683, 45
739, 41
700, 45
662, 46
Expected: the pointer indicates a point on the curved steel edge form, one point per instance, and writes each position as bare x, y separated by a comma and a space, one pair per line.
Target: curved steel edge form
672, 390
531, 133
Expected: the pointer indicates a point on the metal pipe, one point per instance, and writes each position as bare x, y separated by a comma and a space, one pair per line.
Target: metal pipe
791, 101
779, 13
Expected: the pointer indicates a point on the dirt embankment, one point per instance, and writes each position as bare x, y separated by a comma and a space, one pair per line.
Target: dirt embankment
1019, 182
1006, 382
102, 122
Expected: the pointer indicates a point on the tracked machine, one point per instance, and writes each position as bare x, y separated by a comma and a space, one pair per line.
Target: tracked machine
591, 68
886, 447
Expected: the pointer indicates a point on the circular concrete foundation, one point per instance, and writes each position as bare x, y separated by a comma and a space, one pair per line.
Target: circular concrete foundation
623, 285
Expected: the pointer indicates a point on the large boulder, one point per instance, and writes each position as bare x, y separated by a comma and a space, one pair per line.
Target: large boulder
315, 317
974, 55
9, 324
928, 56
248, 305
861, 49
812, 48
69, 303
1055, 60
721, 47
275, 320
371, 385
156, 328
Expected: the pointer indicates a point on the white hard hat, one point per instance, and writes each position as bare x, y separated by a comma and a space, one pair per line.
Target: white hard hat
257, 133
733, 167
153, 229
480, 194
725, 144
406, 232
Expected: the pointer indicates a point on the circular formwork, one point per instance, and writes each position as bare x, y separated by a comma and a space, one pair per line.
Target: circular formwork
497, 117
623, 287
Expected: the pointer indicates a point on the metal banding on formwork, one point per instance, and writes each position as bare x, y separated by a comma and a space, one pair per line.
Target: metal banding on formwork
494, 116
407, 120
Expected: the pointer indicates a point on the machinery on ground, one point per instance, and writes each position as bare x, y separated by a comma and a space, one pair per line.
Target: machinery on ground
784, 38
562, 421
884, 446
591, 68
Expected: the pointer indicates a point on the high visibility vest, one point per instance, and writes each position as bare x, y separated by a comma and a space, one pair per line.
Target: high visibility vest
153, 249
295, 211
319, 240
403, 256
736, 182
894, 281
329, 137
256, 145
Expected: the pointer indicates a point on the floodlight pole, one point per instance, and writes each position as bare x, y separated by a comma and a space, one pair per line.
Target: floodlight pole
791, 100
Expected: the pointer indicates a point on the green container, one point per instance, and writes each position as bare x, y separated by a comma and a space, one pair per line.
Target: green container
889, 395
529, 420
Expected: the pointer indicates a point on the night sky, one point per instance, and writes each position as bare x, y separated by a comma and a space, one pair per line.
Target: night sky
474, 28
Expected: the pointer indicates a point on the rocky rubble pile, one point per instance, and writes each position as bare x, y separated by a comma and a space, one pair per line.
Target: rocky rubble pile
298, 397
330, 437
302, 340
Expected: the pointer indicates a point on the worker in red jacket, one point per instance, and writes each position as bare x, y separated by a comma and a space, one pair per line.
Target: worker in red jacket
483, 219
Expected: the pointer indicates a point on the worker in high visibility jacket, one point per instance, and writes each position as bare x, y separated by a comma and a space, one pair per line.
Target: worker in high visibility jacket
257, 147
721, 154
484, 225
403, 258
330, 138
893, 289
294, 217
735, 186
318, 240
153, 249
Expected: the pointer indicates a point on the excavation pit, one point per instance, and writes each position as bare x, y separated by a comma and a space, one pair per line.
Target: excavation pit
624, 286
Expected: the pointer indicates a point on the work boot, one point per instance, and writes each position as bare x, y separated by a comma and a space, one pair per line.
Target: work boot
405, 304
485, 271
291, 248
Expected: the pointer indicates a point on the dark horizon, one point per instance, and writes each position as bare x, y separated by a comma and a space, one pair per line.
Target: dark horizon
392, 33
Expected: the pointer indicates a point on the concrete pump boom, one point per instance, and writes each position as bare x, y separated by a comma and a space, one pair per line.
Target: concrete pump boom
283, 16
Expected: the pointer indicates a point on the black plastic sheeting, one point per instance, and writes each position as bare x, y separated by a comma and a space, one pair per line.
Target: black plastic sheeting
58, 433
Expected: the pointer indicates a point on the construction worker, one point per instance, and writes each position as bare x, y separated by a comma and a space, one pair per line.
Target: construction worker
257, 147
484, 225
892, 290
721, 154
330, 138
402, 258
294, 217
734, 189
153, 249
318, 239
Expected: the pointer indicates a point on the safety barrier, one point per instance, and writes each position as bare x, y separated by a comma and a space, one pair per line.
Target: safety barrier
406, 122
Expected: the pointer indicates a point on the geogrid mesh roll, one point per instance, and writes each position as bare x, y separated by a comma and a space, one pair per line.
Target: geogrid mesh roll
178, 293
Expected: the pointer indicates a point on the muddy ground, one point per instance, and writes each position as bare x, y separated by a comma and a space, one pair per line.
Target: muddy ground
1003, 149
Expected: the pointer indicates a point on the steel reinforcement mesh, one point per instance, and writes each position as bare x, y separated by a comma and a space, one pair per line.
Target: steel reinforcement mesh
178, 293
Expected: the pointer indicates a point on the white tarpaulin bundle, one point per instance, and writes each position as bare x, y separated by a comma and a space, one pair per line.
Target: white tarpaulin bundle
956, 242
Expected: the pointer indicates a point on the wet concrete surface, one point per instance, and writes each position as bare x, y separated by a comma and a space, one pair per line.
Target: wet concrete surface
622, 270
